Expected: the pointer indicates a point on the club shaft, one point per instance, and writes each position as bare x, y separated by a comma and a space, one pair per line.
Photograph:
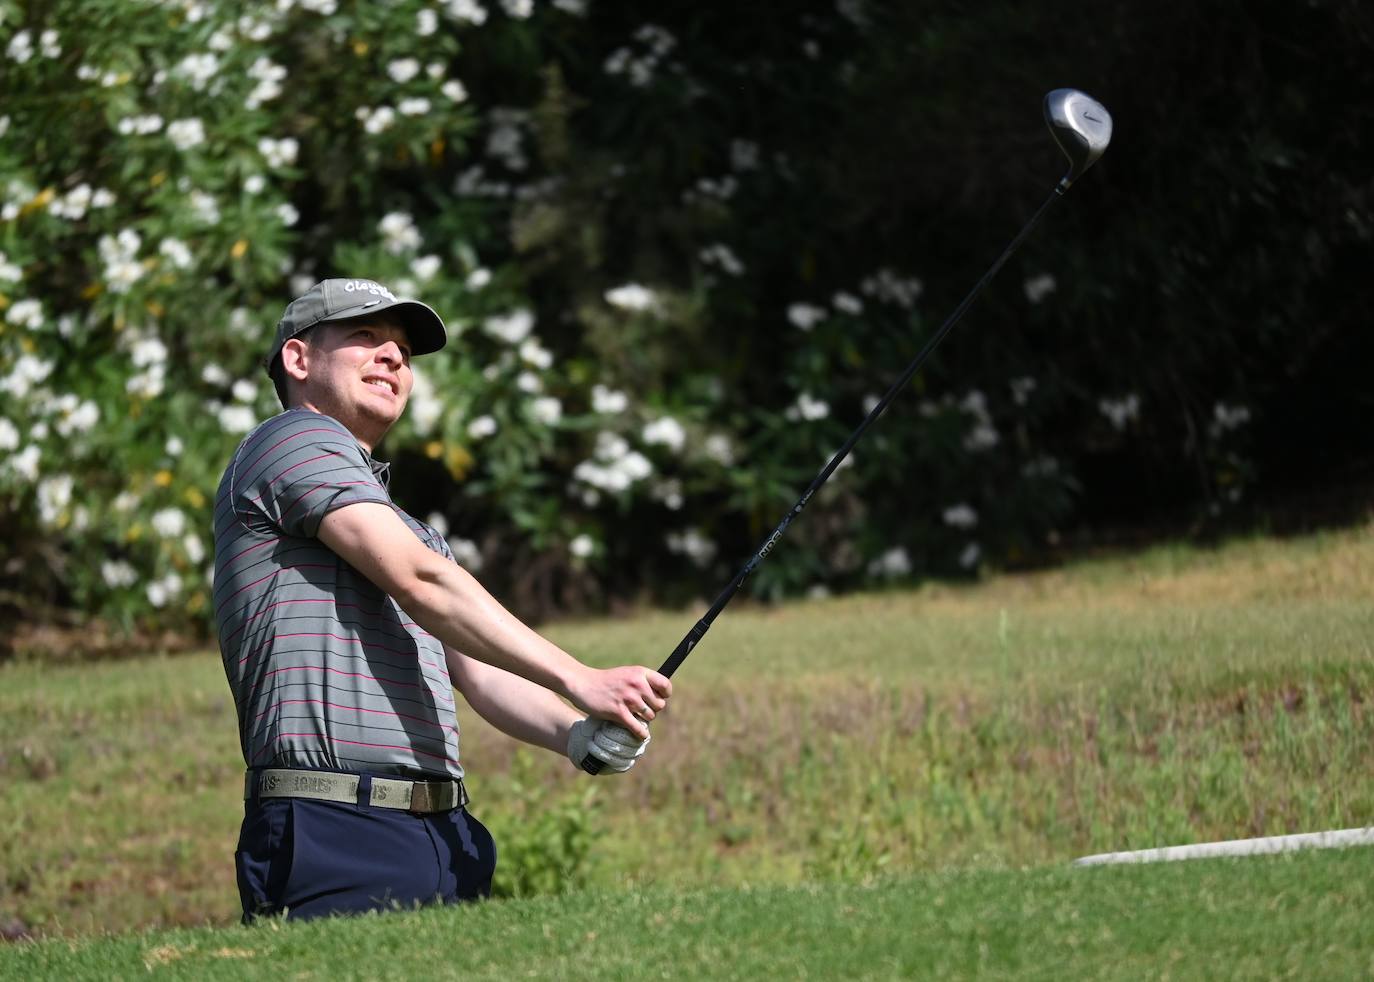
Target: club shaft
699, 629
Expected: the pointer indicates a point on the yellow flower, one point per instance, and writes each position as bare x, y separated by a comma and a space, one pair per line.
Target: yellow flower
163, 479
458, 461
434, 449
240, 247
194, 498
360, 48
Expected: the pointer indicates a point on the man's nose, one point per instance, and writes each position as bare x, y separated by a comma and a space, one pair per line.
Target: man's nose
390, 352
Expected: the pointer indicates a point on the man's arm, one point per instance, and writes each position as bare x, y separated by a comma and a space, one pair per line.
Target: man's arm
515, 706
449, 603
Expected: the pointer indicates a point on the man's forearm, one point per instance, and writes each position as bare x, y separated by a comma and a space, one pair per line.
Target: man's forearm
450, 604
515, 706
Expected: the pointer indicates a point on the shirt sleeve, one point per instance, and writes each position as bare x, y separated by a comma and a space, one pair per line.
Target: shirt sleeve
298, 468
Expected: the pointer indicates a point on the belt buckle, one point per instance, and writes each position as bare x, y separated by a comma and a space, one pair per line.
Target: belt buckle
420, 798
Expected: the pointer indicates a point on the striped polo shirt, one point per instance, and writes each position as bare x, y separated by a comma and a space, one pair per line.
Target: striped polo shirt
327, 671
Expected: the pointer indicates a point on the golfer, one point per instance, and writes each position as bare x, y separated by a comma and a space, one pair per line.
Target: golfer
345, 626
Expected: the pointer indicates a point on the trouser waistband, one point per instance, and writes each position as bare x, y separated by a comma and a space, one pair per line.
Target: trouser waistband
420, 797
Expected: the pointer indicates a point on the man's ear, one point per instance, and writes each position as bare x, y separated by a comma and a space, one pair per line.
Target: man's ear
295, 357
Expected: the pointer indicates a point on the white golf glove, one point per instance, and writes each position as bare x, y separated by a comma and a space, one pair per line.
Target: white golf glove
614, 745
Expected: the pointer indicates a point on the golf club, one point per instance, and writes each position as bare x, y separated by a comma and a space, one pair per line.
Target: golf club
1082, 127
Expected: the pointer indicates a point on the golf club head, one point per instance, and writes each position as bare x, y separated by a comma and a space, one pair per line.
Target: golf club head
1081, 126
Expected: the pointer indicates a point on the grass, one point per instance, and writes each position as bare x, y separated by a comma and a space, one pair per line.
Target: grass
1173, 696
1301, 915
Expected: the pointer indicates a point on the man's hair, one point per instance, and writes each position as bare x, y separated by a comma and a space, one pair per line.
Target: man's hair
277, 373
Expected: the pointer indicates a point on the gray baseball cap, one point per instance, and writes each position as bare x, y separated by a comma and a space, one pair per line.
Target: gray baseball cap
344, 299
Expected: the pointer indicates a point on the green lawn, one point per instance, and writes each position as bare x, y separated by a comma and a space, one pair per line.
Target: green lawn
1173, 696
1303, 916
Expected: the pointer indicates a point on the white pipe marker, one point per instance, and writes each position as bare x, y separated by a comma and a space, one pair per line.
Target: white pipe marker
1237, 847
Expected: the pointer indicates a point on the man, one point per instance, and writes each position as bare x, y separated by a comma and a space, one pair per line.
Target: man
345, 625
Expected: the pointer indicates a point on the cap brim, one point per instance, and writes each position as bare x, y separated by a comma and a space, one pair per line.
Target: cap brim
424, 327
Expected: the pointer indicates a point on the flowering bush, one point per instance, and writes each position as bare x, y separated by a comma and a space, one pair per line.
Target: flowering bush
668, 304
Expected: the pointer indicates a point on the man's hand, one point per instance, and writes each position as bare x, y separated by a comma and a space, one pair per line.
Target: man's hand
615, 747
629, 696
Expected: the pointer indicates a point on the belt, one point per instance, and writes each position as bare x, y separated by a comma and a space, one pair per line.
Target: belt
420, 797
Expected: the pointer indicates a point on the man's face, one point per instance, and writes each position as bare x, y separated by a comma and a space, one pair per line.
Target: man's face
359, 373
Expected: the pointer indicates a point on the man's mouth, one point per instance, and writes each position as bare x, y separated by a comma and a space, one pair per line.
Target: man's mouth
381, 383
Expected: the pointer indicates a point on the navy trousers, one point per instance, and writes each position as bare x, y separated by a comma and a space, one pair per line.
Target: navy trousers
308, 859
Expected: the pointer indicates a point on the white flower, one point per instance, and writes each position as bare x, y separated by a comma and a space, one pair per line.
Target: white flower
847, 303
454, 90
665, 431
482, 427
287, 213
163, 590
582, 546
960, 516
744, 155
529, 382
193, 547
4, 125
26, 313
244, 390
888, 286
669, 492
173, 446
399, 233
9, 435
511, 328
983, 436
436, 70
631, 296
169, 522
1039, 287
536, 354
720, 254
139, 125
519, 9
79, 418
402, 70
504, 139
102, 198
27, 372
577, 8
468, 10
895, 562
1021, 389
236, 419
376, 120
20, 48
719, 449
186, 133
608, 401
204, 207
73, 204
177, 252
25, 463
214, 375
197, 69
466, 554
425, 405
322, 7
117, 573
269, 76
426, 22
808, 408
1226, 417
692, 544
438, 521
970, 556
1120, 411
415, 106
478, 278
806, 316
279, 153
547, 410
48, 42
219, 41
254, 183
54, 495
